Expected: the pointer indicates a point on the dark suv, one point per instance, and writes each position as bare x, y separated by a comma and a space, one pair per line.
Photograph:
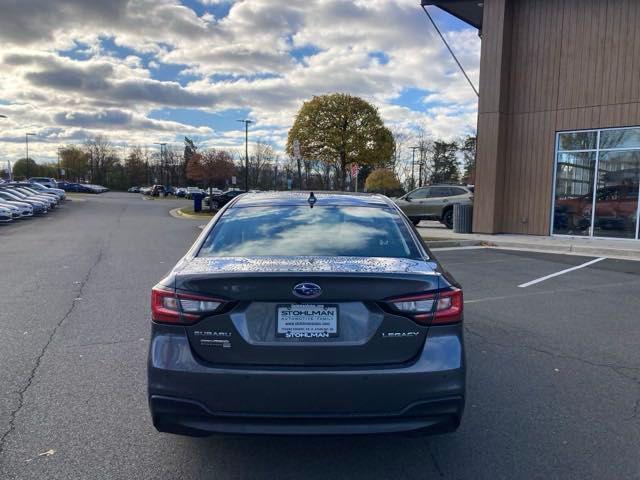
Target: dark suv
220, 200
434, 202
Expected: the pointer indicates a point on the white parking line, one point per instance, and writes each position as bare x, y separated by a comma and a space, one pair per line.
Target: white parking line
562, 272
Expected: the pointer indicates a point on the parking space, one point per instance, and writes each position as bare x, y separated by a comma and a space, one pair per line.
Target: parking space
553, 379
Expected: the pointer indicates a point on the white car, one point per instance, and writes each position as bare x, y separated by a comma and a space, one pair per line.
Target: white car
46, 181
44, 189
15, 211
5, 215
192, 190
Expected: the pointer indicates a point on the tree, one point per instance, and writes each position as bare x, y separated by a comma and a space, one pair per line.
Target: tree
75, 163
340, 129
384, 181
25, 167
212, 168
445, 163
102, 158
468, 149
135, 167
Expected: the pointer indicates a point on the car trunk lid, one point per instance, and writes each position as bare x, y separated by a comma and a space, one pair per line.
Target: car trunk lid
260, 327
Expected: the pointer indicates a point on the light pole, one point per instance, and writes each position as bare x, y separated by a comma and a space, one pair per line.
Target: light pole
9, 163
26, 138
246, 153
162, 145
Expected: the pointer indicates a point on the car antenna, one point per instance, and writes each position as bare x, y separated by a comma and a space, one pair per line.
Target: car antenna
312, 200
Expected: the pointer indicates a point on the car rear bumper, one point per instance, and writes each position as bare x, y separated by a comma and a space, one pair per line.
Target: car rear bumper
188, 396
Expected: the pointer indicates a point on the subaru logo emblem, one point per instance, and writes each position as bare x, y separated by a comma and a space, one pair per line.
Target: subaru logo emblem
307, 290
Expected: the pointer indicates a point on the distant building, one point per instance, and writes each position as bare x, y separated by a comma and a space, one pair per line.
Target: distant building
558, 116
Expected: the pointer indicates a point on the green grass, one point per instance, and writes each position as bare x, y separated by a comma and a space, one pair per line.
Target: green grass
204, 213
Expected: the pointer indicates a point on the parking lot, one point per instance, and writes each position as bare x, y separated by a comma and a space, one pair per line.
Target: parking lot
553, 379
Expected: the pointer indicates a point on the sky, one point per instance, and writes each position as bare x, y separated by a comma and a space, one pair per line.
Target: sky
146, 71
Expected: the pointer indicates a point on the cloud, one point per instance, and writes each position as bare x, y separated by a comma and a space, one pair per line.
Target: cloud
72, 68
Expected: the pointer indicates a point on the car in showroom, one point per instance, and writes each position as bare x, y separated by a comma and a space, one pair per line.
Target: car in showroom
296, 313
434, 202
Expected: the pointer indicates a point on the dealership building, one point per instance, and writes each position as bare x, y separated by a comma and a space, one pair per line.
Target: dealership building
558, 116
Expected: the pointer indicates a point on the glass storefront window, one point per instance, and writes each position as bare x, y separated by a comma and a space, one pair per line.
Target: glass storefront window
617, 194
606, 162
574, 193
578, 141
622, 138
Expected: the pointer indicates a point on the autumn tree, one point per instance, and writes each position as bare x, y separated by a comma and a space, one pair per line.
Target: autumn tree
75, 163
340, 129
211, 168
384, 181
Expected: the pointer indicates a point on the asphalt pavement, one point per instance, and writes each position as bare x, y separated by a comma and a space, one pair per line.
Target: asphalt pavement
553, 381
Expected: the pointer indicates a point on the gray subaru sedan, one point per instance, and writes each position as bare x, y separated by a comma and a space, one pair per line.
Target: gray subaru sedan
302, 313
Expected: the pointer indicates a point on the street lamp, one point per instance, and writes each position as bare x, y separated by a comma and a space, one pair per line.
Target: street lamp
246, 153
26, 139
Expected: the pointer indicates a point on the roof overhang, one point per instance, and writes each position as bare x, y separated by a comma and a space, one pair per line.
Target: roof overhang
469, 11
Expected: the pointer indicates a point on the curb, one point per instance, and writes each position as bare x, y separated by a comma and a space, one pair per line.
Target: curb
453, 243
176, 213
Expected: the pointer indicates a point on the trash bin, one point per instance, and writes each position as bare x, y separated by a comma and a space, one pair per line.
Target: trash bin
462, 218
197, 201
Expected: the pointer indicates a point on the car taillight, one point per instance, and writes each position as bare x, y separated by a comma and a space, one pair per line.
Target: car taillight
168, 306
440, 308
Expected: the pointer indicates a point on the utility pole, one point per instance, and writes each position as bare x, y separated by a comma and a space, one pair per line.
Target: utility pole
420, 165
26, 138
413, 166
8, 162
246, 153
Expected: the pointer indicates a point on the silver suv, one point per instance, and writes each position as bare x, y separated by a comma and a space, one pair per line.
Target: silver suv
434, 202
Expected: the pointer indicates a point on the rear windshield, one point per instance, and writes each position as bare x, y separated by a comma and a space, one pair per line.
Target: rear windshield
303, 231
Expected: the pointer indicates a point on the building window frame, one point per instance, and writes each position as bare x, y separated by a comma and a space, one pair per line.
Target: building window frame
597, 150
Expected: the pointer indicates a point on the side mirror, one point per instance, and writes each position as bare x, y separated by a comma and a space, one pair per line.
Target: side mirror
406, 198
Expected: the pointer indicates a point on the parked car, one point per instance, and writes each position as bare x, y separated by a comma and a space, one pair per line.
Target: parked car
319, 303
134, 190
36, 193
180, 192
5, 215
44, 189
38, 205
47, 181
434, 202
15, 212
25, 209
220, 200
25, 195
192, 190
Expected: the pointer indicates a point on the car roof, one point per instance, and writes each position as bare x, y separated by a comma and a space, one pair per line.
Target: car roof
302, 198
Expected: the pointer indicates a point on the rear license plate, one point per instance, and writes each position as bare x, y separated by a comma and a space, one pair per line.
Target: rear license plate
307, 321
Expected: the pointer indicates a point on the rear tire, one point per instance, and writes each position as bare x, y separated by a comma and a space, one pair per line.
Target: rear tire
447, 218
